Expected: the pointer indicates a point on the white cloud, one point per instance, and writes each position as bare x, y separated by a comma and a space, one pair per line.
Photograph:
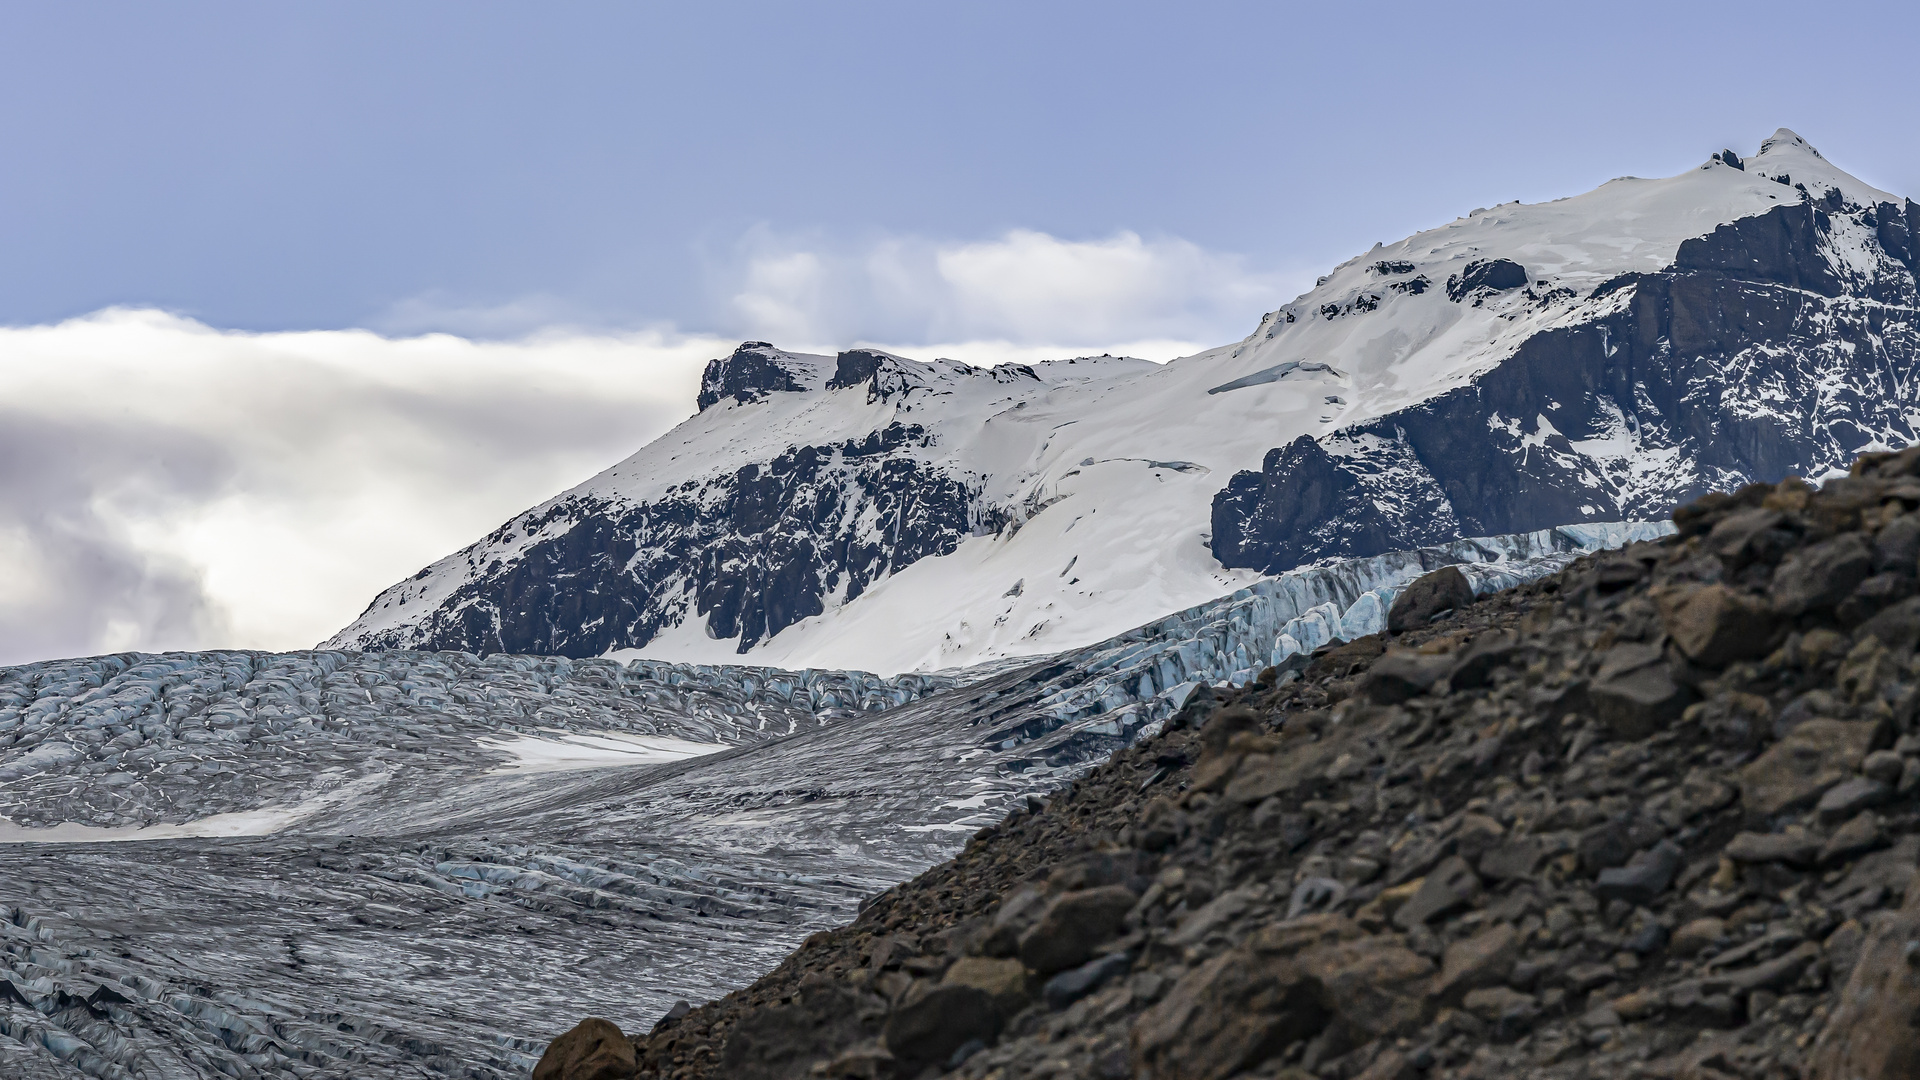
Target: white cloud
1025, 290
167, 485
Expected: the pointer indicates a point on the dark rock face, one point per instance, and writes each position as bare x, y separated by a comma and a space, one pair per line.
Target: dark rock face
1779, 344
754, 552
755, 370
1492, 275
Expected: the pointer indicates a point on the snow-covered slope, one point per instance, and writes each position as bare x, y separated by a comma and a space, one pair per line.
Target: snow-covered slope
1594, 358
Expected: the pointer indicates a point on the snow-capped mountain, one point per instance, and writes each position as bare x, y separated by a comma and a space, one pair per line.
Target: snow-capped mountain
1594, 358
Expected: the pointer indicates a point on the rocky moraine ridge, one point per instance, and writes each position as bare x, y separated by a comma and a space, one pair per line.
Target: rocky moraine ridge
1657, 815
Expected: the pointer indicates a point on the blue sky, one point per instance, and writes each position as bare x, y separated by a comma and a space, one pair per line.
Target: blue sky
225, 227
491, 168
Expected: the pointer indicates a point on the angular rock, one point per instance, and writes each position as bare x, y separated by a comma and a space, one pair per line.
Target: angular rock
1004, 981
1512, 859
1793, 849
1072, 926
1858, 836
1451, 885
1643, 879
1884, 766
1403, 674
1639, 703
1430, 594
1715, 625
1508, 1012
1800, 767
1849, 797
1697, 935
593, 1049
1481, 960
1817, 577
1605, 846
933, 1021
1070, 986
1487, 654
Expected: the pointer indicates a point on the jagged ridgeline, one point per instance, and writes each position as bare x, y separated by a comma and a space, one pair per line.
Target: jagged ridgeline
1592, 359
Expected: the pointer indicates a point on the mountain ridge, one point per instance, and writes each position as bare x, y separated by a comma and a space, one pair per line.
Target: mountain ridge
867, 510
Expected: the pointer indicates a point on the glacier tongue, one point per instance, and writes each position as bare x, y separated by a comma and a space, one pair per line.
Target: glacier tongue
332, 838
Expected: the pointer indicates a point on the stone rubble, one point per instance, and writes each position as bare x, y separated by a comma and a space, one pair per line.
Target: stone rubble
1657, 815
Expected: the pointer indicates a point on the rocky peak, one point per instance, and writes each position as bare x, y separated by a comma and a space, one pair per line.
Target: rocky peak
757, 369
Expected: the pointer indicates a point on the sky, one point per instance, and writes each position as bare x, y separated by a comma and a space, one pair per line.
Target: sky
296, 298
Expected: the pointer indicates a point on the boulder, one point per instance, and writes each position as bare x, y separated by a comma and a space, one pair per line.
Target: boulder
1072, 926
1430, 594
932, 1021
1715, 625
1800, 768
594, 1049
1817, 577
1246, 1005
1004, 981
1403, 674
1637, 703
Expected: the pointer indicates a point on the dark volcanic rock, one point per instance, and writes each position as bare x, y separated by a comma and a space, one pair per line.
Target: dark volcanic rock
1688, 368
1430, 594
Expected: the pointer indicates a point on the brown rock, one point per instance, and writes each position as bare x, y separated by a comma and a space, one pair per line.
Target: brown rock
1811, 758
932, 1021
1715, 625
1874, 1031
1072, 926
1243, 1006
593, 1050
1481, 960
1004, 981
1697, 935
1430, 594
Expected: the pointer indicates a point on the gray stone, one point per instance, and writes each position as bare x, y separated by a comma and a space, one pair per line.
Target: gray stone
1793, 849
1819, 576
1070, 986
1851, 796
1450, 885
1642, 880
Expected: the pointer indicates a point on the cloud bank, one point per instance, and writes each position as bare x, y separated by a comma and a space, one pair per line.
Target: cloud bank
167, 485
1024, 294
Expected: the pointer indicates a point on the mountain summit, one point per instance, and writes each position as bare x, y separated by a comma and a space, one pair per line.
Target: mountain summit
1595, 358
